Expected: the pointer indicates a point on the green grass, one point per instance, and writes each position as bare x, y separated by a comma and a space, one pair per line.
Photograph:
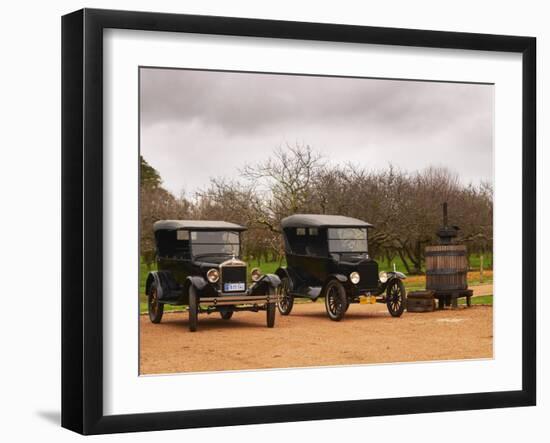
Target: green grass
487, 261
387, 265
266, 267
481, 300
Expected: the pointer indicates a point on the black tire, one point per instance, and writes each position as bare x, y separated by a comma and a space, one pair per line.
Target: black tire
396, 298
193, 309
270, 316
285, 300
226, 315
155, 308
347, 305
336, 301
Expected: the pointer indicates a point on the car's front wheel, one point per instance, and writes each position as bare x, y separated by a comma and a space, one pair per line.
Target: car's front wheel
193, 309
285, 300
336, 302
396, 298
155, 307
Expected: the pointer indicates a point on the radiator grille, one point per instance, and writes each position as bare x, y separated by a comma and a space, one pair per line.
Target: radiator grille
233, 274
368, 272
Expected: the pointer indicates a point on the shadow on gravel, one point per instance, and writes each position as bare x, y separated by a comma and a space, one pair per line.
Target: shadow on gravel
212, 323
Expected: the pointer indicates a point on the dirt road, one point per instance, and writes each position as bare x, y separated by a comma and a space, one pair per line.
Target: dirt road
308, 338
485, 289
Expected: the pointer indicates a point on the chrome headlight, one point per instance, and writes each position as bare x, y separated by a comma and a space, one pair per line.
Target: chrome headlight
213, 275
255, 274
355, 277
383, 277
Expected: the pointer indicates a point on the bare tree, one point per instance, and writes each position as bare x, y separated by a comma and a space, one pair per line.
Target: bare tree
405, 207
284, 182
156, 203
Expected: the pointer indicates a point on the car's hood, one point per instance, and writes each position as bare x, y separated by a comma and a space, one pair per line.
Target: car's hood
353, 260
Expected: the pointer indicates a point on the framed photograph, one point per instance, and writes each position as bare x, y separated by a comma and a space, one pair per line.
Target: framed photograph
269, 221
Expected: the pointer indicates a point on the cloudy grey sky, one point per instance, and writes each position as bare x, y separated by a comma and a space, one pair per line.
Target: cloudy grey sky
198, 124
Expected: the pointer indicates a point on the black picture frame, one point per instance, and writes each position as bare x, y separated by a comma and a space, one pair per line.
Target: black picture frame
82, 218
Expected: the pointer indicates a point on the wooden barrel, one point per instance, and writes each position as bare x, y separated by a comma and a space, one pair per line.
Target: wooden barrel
446, 268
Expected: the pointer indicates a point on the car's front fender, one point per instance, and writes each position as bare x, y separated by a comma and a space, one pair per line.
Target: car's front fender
273, 279
396, 274
197, 282
340, 277
266, 281
164, 282
285, 272
392, 276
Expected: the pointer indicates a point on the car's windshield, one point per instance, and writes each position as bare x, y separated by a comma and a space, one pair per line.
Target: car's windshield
215, 243
347, 239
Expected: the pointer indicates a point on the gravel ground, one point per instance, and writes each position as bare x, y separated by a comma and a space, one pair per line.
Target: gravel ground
368, 334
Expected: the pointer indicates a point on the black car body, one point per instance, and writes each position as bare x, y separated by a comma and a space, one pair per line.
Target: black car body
198, 265
327, 256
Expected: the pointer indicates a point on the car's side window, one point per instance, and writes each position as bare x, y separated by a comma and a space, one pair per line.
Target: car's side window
306, 241
295, 240
316, 243
173, 244
183, 235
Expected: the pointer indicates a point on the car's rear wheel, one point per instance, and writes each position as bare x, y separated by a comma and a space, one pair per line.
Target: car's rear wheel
271, 309
193, 309
336, 302
154, 306
285, 300
396, 298
226, 315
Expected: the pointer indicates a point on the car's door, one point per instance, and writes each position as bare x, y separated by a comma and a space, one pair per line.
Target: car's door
317, 255
174, 257
309, 259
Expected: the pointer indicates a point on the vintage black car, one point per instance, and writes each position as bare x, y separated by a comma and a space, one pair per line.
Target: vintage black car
327, 256
198, 266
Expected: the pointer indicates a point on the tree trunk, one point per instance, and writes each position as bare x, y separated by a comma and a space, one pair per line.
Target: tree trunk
415, 260
400, 252
481, 268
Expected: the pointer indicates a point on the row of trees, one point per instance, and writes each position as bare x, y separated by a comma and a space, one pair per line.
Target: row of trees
405, 207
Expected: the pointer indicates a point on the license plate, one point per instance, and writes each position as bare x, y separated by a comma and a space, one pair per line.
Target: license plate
233, 287
367, 300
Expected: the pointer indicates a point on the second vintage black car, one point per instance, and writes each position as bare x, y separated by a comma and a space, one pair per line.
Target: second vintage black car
198, 266
327, 256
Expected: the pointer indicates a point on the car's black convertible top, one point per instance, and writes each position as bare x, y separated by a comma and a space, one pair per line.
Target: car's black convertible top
171, 225
322, 220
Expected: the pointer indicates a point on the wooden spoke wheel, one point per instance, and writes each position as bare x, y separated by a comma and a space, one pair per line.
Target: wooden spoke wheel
154, 306
396, 298
285, 300
336, 302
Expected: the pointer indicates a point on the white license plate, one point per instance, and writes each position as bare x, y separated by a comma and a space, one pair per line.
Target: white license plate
233, 287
